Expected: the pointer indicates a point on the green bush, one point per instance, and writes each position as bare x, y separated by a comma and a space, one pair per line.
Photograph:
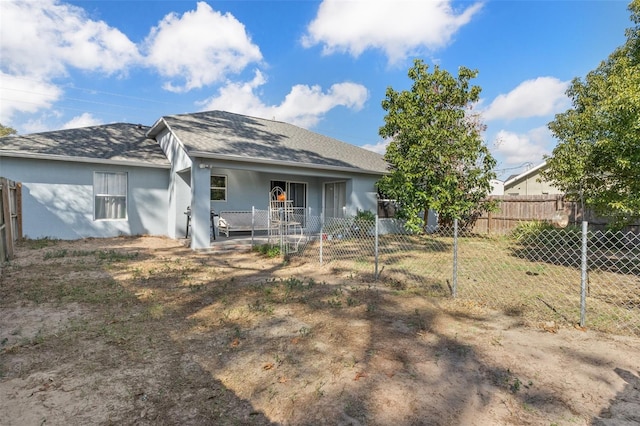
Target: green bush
268, 250
365, 216
527, 231
543, 233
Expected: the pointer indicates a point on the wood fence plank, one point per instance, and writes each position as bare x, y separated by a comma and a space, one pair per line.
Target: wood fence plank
6, 215
19, 210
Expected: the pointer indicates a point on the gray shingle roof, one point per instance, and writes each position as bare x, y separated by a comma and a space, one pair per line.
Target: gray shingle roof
224, 133
112, 142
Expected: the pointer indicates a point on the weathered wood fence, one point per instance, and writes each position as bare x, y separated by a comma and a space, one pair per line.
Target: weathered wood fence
10, 217
513, 209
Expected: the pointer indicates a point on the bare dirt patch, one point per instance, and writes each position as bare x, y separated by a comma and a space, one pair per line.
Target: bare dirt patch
145, 331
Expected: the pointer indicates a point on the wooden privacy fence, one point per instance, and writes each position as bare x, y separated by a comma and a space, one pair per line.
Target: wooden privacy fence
513, 209
10, 217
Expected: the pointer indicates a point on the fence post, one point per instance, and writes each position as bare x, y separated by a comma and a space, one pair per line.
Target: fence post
321, 234
375, 276
454, 287
253, 223
584, 278
5, 193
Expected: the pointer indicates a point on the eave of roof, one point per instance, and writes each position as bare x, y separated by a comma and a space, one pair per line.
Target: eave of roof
284, 163
156, 128
36, 156
525, 174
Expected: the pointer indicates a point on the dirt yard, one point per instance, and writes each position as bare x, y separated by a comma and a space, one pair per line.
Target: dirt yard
145, 331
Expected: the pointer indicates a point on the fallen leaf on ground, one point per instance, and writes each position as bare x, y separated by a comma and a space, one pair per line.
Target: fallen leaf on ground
267, 366
235, 342
359, 375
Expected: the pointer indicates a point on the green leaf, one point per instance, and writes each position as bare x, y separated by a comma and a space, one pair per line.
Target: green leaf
437, 157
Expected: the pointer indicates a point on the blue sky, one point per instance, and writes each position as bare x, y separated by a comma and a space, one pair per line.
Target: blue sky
323, 65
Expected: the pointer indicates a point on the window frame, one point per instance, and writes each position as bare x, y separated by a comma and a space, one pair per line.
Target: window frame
97, 195
218, 188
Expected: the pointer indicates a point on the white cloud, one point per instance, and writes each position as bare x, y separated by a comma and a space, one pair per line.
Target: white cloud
83, 120
199, 48
517, 148
396, 27
532, 98
303, 106
380, 147
43, 38
35, 125
24, 95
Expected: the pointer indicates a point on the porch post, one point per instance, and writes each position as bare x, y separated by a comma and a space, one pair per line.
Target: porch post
200, 205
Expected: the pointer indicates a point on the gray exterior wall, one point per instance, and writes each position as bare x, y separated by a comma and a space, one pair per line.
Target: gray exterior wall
246, 189
57, 199
179, 188
249, 188
363, 195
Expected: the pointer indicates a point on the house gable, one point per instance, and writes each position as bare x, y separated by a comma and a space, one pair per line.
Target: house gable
530, 182
228, 136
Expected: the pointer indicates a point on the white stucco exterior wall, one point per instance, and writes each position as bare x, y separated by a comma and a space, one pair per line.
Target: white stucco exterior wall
58, 199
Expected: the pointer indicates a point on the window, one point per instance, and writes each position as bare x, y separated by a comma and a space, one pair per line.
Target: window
110, 195
218, 188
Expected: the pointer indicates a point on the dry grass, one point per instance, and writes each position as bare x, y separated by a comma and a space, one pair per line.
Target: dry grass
539, 278
145, 331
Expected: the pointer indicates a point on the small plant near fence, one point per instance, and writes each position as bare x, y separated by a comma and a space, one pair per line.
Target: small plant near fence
542, 232
268, 250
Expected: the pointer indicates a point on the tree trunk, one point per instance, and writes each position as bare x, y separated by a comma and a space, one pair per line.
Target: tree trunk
425, 216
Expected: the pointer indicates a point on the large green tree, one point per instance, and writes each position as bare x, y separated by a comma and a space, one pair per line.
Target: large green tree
597, 159
436, 152
6, 131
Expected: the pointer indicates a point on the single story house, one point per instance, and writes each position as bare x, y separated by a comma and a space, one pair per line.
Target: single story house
126, 179
497, 187
530, 182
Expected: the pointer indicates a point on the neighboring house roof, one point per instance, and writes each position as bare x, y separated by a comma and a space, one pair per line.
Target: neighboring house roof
111, 143
515, 178
224, 135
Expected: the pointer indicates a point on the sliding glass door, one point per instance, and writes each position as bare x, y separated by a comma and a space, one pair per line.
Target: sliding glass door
335, 199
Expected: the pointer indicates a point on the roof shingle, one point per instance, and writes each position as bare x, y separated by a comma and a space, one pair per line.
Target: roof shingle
229, 134
113, 142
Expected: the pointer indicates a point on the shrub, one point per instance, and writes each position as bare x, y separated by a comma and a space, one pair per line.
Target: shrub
541, 232
268, 250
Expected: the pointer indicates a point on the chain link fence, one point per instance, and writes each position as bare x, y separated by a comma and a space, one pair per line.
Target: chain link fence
573, 276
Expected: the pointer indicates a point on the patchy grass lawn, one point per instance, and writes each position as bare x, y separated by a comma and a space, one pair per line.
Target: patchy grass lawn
145, 331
